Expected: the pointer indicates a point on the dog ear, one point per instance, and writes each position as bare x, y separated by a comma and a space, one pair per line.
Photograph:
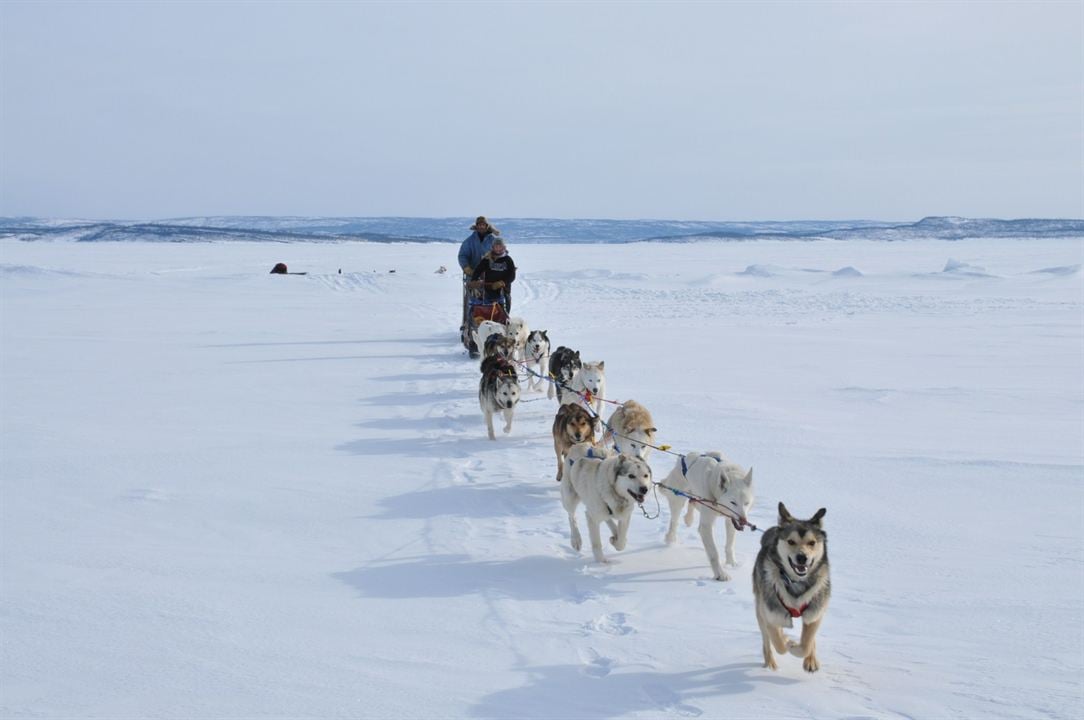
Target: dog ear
784, 516
601, 364
748, 479
652, 430
545, 336
816, 519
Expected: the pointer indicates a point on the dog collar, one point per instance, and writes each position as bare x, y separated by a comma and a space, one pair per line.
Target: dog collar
684, 467
794, 612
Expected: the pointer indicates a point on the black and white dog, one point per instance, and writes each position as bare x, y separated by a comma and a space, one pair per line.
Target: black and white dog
498, 391
564, 362
537, 359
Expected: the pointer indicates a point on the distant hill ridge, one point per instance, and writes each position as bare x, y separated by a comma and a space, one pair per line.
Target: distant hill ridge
523, 230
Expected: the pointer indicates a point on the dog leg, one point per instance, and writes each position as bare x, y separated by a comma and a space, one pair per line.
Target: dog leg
596, 539
570, 500
707, 522
807, 647
690, 513
508, 419
621, 536
765, 636
676, 502
489, 424
731, 535
560, 461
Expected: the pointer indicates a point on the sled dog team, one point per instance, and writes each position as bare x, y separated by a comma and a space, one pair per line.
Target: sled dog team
610, 477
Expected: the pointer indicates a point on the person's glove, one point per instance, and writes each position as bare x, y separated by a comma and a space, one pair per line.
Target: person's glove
497, 285
467, 270
474, 284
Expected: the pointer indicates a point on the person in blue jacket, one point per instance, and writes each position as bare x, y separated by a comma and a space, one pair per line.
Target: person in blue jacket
477, 245
471, 252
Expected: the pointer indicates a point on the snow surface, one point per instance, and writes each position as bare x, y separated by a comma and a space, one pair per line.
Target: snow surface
232, 494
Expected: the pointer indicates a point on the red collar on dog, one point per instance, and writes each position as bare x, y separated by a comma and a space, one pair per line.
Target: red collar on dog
794, 612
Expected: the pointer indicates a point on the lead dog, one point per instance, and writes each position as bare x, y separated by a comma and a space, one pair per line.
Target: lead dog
712, 477
537, 358
608, 487
631, 430
564, 362
790, 580
498, 391
589, 380
572, 424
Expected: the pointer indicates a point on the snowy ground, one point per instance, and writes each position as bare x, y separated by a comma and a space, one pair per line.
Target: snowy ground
231, 494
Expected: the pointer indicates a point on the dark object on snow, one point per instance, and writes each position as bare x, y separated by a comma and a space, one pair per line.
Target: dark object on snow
280, 269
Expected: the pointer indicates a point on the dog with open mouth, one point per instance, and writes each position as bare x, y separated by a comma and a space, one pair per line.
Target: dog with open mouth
609, 486
712, 477
791, 580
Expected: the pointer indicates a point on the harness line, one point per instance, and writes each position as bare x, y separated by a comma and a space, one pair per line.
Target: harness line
710, 504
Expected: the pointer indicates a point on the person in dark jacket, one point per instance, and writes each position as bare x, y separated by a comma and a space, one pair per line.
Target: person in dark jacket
494, 275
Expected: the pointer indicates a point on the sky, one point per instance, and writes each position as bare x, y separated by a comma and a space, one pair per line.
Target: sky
699, 111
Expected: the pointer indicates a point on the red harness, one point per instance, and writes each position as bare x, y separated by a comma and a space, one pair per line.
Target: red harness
794, 612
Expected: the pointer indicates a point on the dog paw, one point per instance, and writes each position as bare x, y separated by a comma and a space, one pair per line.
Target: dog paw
732, 562
670, 539
810, 664
770, 664
722, 577
507, 429
577, 544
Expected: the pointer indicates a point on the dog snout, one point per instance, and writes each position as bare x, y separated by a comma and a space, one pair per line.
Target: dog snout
801, 559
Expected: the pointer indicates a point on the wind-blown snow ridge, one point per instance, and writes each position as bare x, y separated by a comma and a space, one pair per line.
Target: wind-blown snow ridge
522, 230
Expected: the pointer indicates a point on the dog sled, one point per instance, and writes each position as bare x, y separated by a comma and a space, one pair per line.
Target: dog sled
475, 311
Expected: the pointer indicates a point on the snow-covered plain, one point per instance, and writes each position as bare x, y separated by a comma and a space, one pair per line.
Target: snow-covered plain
232, 494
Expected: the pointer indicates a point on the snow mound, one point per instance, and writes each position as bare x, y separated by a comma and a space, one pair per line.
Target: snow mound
957, 267
848, 272
764, 271
1062, 270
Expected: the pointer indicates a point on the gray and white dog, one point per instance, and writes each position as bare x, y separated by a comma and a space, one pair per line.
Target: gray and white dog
790, 580
498, 391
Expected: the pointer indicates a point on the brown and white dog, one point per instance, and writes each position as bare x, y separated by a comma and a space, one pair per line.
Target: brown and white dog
572, 424
631, 430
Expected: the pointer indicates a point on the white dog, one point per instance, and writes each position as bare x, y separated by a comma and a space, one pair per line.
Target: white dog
517, 330
712, 477
484, 330
631, 430
589, 378
608, 486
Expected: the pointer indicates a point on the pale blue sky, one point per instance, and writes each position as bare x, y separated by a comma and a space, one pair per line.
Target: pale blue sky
711, 111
